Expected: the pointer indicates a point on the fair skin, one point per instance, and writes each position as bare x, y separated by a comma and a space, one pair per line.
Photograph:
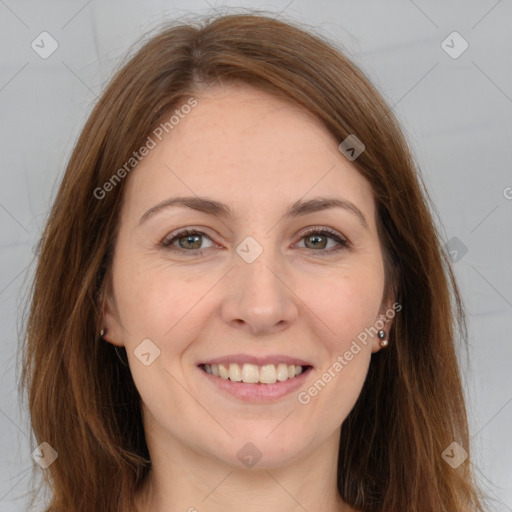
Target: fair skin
257, 155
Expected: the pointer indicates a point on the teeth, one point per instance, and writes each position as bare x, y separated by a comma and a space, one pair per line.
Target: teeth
252, 374
223, 371
268, 374
234, 373
282, 372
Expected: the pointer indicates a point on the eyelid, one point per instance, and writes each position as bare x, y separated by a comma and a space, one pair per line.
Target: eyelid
180, 233
324, 229
341, 240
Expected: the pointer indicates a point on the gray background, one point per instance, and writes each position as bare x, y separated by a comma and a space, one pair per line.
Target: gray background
456, 112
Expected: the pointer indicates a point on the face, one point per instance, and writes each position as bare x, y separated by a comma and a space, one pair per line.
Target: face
267, 282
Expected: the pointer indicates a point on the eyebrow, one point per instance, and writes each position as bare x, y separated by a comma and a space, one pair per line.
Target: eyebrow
216, 208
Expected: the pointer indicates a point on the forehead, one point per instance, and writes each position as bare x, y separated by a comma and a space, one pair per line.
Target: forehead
246, 147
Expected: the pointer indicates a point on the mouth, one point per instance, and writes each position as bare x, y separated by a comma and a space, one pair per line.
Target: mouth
249, 373
254, 383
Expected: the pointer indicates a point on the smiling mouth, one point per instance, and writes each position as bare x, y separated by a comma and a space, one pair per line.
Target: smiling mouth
254, 374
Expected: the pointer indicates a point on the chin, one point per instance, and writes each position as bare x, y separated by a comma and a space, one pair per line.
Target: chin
257, 449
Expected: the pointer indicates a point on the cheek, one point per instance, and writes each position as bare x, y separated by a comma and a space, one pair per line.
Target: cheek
155, 301
347, 305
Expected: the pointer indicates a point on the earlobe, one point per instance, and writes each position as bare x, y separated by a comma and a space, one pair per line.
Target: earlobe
382, 337
383, 324
107, 337
381, 340
108, 321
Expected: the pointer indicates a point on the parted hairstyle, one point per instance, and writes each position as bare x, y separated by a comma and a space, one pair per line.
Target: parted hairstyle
82, 399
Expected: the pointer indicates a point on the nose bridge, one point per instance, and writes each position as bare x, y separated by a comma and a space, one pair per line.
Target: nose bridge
258, 264
259, 276
259, 296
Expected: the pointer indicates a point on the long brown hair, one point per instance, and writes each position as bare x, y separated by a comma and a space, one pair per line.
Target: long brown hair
81, 397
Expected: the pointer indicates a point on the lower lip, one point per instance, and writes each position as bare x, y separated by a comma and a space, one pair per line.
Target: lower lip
258, 393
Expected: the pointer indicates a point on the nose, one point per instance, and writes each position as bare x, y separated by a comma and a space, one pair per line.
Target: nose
260, 298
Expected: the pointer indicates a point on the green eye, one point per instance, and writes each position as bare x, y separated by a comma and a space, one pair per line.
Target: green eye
189, 241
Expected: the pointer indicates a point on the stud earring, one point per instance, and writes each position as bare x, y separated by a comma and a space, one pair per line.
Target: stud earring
382, 334
103, 332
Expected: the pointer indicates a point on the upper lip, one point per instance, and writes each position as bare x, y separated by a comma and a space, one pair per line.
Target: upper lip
257, 360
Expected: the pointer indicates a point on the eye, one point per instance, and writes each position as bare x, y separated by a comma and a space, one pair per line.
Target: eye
318, 239
190, 241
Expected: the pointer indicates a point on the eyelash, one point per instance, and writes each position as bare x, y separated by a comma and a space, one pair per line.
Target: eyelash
343, 243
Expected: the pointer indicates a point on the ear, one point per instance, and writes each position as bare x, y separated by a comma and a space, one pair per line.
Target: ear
109, 320
384, 321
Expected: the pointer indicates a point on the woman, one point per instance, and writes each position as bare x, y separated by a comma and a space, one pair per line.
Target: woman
241, 301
